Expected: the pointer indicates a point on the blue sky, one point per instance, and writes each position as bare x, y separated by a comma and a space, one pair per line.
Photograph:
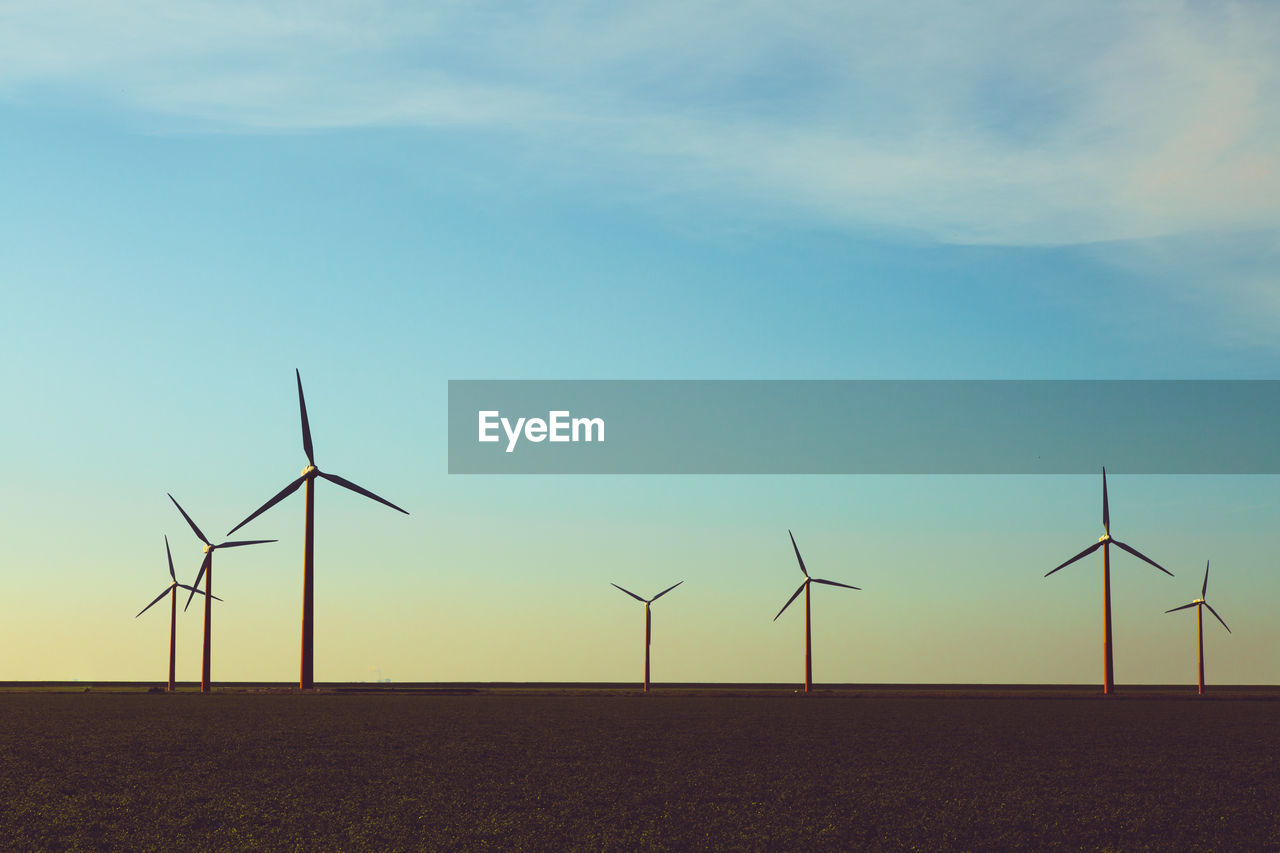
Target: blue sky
198, 198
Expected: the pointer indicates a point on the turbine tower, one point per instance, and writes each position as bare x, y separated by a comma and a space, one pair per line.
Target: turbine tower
1108, 669
1199, 604
647, 602
206, 571
172, 591
808, 636
306, 679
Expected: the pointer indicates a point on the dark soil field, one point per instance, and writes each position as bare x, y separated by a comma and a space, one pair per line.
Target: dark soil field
607, 770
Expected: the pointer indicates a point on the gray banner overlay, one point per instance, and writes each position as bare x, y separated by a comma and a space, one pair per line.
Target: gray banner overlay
865, 427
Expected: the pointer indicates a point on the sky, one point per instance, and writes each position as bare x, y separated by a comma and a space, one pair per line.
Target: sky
198, 198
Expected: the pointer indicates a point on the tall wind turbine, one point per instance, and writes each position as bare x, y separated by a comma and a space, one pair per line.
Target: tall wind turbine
206, 571
1199, 604
306, 680
808, 636
647, 602
1108, 670
172, 591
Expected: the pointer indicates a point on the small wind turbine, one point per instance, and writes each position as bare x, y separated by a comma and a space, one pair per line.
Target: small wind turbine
206, 571
804, 587
1199, 604
306, 679
1108, 670
172, 591
647, 602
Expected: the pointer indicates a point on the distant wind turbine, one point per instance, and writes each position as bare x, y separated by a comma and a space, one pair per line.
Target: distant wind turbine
1108, 670
1199, 604
172, 591
647, 602
306, 680
808, 636
206, 571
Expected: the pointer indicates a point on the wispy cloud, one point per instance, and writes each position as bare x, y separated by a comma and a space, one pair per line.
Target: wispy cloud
1006, 124
1229, 283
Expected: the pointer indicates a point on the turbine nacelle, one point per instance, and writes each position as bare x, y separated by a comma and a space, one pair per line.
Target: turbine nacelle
807, 580
1106, 539
310, 471
206, 566
648, 601
1203, 601
174, 585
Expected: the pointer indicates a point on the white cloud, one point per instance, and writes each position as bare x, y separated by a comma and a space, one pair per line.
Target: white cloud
1006, 124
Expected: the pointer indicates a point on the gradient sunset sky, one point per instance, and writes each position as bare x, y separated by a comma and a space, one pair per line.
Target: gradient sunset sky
198, 198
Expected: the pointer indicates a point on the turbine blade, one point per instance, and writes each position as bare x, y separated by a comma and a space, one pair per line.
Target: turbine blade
630, 593
347, 484
199, 535
247, 542
1183, 607
791, 599
1106, 515
169, 554
1205, 586
198, 591
1141, 556
798, 557
204, 565
836, 583
306, 427
158, 597
1215, 613
648, 627
1086, 552
667, 590
281, 495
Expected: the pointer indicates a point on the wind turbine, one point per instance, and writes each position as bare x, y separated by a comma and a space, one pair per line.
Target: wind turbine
306, 680
1108, 670
206, 571
647, 602
171, 590
1199, 604
804, 587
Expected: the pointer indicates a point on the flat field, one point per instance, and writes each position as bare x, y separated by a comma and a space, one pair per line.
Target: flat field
612, 770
